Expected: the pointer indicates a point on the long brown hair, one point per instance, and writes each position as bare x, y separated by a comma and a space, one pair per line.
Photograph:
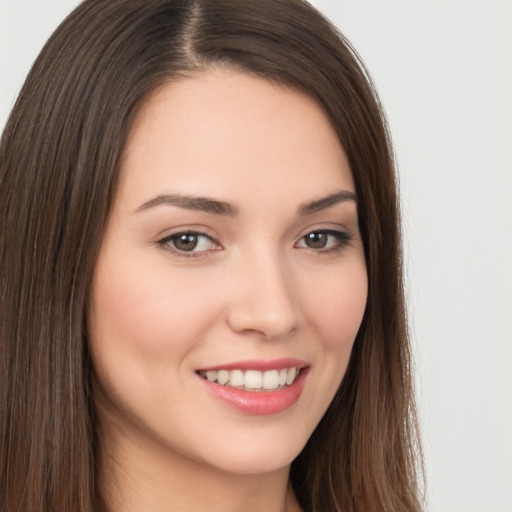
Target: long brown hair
59, 160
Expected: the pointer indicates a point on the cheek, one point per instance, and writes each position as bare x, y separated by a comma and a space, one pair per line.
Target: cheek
147, 311
336, 306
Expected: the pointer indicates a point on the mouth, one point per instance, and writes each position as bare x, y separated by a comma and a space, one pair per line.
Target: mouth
253, 380
256, 387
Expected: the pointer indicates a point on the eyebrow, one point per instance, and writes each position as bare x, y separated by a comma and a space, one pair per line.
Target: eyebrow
326, 202
216, 207
189, 202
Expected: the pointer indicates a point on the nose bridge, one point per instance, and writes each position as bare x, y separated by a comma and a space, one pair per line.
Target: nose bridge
265, 301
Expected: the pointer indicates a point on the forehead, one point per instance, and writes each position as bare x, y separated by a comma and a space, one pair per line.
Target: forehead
228, 133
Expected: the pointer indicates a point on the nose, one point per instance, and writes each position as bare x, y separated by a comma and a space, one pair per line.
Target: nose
263, 302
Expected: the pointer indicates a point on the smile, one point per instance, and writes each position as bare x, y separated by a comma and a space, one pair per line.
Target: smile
256, 387
252, 380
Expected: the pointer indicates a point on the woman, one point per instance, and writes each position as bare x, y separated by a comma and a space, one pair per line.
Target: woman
201, 278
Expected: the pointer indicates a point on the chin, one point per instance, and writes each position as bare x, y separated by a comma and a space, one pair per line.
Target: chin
256, 462
258, 452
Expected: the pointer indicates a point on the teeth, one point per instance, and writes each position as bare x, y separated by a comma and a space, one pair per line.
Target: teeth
292, 373
237, 378
222, 376
253, 380
270, 380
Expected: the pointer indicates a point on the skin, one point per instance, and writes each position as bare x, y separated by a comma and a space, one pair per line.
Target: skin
252, 289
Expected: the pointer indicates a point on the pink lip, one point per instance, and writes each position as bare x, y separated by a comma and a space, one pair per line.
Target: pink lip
254, 364
259, 402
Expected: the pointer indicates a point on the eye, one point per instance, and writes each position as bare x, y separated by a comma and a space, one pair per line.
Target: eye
188, 243
325, 240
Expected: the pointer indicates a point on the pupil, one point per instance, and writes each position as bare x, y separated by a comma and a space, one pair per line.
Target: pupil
186, 242
316, 240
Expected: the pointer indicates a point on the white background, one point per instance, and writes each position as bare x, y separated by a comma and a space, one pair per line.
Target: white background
444, 72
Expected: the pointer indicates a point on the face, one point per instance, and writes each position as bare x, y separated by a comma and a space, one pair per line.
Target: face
231, 281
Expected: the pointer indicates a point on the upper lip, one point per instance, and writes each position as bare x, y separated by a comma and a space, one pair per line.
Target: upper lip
259, 364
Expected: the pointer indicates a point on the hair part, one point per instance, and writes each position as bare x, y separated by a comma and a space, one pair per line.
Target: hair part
60, 155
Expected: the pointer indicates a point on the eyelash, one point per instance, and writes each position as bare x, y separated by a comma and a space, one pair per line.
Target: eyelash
342, 238
165, 243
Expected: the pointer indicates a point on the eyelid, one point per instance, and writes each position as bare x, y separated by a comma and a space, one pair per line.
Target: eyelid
343, 237
164, 243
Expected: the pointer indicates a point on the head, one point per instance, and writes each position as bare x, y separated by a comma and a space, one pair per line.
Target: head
63, 157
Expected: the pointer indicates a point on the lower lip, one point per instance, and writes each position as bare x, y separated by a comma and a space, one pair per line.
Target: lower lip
259, 402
